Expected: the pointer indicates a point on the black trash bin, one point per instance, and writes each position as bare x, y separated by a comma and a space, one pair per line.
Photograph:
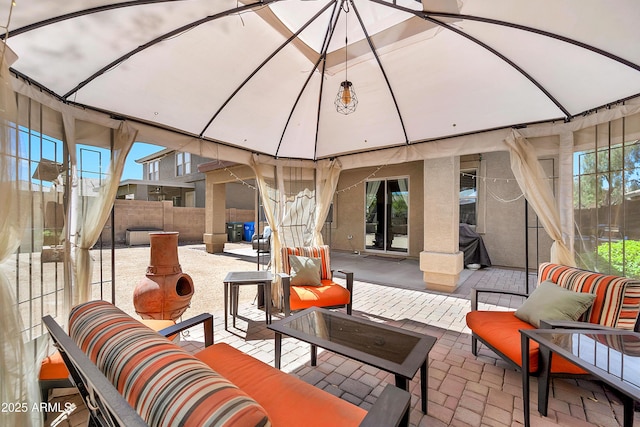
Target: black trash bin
234, 231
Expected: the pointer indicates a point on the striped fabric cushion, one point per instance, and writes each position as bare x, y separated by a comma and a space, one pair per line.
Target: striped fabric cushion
617, 298
321, 252
163, 383
628, 345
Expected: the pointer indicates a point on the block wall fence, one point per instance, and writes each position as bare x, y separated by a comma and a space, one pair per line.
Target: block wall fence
163, 216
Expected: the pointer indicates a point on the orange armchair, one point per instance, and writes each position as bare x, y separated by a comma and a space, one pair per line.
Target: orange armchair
326, 293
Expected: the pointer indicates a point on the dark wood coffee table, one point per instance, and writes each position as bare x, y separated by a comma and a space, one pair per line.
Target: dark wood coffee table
389, 348
612, 356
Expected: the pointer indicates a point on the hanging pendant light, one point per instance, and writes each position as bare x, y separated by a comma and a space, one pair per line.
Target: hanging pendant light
346, 100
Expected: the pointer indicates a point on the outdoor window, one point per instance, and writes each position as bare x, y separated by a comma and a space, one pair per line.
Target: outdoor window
607, 208
468, 197
153, 173
183, 164
386, 216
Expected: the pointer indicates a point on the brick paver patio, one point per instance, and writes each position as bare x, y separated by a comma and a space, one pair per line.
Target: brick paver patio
463, 390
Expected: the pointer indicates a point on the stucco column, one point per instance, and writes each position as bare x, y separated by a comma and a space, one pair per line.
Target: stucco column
441, 261
215, 227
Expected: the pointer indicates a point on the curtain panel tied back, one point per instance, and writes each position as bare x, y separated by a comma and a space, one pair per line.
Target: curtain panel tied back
88, 211
296, 198
539, 193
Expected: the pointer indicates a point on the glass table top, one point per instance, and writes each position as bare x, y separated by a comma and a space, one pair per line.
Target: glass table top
616, 353
391, 344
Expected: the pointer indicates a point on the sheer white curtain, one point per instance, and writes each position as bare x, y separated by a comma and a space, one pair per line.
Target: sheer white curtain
327, 174
404, 191
265, 178
296, 197
372, 191
88, 211
19, 384
533, 183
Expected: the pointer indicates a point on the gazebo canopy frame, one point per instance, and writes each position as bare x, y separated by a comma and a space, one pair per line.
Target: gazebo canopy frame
262, 76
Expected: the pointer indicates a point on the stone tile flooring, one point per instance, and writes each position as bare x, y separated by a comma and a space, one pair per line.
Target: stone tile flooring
463, 390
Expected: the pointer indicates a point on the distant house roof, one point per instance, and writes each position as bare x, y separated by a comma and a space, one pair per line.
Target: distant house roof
632, 195
155, 155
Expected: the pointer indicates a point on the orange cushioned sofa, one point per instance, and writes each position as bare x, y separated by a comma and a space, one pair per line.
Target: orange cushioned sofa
133, 376
615, 305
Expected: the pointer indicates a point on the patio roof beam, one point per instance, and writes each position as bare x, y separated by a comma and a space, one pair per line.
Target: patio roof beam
165, 36
384, 74
259, 67
426, 16
325, 43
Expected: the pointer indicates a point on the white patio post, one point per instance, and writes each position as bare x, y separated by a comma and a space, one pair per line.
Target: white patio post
441, 261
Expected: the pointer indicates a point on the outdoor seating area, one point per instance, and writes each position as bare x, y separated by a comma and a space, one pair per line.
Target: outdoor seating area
463, 389
397, 237
220, 391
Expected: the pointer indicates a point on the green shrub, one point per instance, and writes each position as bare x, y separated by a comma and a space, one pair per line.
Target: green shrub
625, 257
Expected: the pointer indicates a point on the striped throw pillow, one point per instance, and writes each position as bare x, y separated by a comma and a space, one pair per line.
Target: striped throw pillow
163, 383
321, 252
617, 300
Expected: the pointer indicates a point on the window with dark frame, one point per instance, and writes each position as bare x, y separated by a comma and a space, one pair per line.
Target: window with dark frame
153, 171
469, 197
183, 164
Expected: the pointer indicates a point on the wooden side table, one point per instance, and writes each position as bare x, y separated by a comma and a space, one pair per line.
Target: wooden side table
239, 278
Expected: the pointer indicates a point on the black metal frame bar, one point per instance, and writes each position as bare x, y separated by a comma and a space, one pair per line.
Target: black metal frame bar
384, 74
259, 67
323, 54
426, 15
165, 36
105, 404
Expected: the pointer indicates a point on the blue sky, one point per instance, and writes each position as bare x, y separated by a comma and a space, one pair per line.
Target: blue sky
133, 170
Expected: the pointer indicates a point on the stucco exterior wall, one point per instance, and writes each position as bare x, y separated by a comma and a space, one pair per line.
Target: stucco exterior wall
349, 207
502, 223
501, 219
241, 196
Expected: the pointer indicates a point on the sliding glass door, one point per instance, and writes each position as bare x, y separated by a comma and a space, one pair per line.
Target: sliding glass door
386, 215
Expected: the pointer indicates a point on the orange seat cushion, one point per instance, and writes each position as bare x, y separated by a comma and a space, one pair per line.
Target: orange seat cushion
501, 329
160, 324
53, 368
328, 295
288, 400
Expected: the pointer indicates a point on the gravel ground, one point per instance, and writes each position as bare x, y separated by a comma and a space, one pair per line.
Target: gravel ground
206, 270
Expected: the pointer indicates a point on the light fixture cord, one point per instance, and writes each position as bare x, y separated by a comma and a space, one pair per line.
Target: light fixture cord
345, 7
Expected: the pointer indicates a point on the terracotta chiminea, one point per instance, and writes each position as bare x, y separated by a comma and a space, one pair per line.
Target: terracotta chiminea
165, 292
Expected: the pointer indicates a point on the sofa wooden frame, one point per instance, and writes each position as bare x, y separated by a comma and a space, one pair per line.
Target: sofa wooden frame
107, 407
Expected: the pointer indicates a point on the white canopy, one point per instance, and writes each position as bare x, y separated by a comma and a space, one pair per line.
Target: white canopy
264, 75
